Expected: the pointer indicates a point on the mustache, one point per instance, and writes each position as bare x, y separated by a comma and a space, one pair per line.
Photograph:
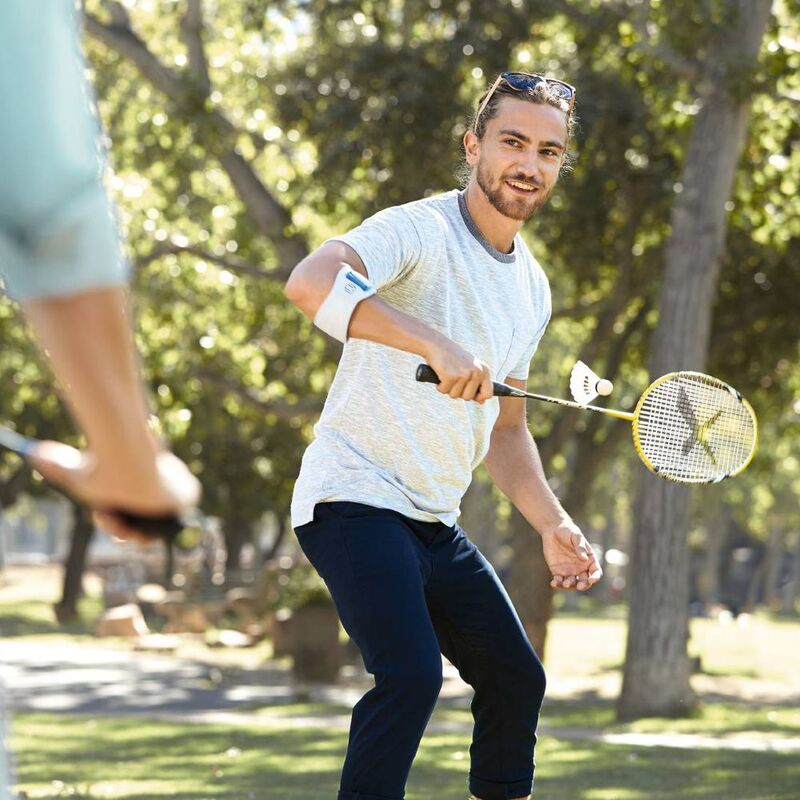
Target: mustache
525, 179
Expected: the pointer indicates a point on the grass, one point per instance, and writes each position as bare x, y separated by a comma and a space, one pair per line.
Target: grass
90, 759
86, 758
756, 646
30, 618
717, 719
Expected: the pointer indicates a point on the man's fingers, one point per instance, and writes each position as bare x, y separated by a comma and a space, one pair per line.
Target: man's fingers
472, 389
444, 385
581, 581
457, 389
486, 391
580, 545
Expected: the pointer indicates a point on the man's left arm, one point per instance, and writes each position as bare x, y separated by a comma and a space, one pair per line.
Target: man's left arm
515, 467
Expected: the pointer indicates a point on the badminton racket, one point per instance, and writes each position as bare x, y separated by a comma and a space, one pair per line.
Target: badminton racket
687, 427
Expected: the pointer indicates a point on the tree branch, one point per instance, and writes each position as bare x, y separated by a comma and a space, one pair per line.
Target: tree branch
119, 36
279, 408
231, 263
11, 489
638, 14
192, 34
271, 219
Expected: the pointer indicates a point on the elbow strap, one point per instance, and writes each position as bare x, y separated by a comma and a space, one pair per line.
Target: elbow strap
348, 290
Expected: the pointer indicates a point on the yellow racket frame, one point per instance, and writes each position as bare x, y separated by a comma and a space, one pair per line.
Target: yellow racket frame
634, 418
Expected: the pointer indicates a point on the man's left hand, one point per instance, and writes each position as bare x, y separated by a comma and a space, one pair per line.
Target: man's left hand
570, 558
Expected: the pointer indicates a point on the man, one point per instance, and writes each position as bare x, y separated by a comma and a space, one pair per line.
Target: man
378, 494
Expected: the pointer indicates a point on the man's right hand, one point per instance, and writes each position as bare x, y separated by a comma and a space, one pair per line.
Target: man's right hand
460, 374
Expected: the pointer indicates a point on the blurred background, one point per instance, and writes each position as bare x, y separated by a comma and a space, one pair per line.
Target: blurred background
240, 135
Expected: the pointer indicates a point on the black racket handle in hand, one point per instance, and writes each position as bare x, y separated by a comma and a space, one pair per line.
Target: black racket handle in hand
425, 374
163, 527
167, 527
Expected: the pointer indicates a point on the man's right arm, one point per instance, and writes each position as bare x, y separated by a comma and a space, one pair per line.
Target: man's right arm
461, 375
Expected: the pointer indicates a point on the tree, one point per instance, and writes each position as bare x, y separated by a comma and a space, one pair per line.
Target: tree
657, 666
243, 134
66, 609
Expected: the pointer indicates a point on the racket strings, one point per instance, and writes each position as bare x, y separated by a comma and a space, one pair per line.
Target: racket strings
694, 428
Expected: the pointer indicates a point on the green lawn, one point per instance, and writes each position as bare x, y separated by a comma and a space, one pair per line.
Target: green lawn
36, 618
66, 756
710, 719
69, 756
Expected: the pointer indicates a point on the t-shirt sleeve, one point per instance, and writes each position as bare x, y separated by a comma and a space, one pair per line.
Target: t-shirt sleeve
388, 243
522, 368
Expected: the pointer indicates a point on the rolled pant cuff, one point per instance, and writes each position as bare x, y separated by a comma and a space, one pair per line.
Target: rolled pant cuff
362, 796
491, 790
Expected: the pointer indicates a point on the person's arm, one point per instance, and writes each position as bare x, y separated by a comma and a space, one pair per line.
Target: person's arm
514, 465
461, 375
87, 337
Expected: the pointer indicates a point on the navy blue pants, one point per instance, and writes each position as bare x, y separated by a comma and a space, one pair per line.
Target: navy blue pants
407, 591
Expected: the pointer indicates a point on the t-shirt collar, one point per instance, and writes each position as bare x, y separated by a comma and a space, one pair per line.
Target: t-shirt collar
505, 258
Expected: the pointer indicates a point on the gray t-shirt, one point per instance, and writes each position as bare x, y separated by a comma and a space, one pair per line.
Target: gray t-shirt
384, 439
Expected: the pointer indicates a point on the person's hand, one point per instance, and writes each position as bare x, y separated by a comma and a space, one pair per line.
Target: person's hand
162, 486
460, 374
570, 557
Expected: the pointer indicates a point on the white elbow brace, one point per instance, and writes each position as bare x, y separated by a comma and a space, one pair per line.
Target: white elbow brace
348, 290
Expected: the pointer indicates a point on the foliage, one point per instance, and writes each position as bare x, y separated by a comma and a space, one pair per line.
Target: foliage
298, 587
336, 109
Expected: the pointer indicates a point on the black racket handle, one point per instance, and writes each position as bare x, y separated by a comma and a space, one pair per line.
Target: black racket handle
425, 374
167, 527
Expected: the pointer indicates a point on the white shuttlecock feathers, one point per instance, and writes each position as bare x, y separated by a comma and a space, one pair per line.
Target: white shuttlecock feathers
585, 385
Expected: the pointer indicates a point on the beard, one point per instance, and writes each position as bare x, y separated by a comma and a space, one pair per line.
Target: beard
514, 207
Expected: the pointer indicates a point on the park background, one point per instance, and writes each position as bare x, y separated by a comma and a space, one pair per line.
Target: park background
240, 135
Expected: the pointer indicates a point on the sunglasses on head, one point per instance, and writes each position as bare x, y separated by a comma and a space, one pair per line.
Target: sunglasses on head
524, 81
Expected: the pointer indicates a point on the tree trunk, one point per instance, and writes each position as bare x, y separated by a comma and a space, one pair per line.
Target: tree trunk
281, 534
716, 545
66, 609
529, 582
479, 517
656, 678
169, 564
657, 666
791, 588
238, 531
774, 568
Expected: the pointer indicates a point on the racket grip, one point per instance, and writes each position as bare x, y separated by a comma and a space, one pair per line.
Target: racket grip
167, 527
426, 374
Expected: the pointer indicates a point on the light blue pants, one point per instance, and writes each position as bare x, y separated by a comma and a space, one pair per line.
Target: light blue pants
57, 231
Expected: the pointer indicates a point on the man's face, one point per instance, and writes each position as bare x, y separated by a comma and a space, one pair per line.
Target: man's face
519, 157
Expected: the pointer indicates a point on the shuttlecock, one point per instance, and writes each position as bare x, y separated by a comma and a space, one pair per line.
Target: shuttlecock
585, 385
